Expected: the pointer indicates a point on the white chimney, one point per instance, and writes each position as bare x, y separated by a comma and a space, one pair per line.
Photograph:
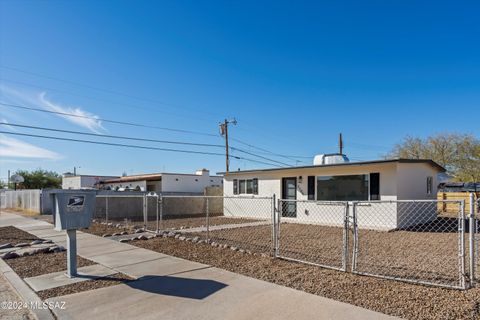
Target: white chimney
203, 172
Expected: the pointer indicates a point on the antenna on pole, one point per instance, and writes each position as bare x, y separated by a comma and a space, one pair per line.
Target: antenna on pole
224, 133
340, 143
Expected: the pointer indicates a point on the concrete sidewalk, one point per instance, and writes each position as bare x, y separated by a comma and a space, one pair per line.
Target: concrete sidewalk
174, 288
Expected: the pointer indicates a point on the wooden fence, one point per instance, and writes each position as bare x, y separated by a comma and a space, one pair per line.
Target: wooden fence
453, 207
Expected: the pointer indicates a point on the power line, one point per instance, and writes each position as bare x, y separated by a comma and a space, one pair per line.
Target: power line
129, 146
102, 89
137, 139
103, 100
111, 136
270, 152
256, 155
106, 120
125, 123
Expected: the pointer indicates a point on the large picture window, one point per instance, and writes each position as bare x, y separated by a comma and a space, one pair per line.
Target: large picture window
342, 188
247, 186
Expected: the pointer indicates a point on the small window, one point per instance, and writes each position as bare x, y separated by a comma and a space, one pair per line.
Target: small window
429, 185
235, 186
255, 186
248, 186
242, 186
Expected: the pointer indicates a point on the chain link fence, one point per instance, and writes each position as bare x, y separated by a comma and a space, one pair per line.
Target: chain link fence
244, 223
122, 210
313, 232
429, 242
411, 241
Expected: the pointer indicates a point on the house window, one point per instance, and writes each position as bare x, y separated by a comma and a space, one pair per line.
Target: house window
429, 185
246, 186
242, 186
342, 188
235, 186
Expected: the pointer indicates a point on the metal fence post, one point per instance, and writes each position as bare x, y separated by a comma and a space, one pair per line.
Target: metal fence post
277, 236
158, 222
145, 211
355, 237
106, 209
208, 221
345, 238
274, 228
461, 231
471, 238
161, 213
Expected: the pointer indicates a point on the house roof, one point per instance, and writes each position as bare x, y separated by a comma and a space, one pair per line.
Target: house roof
139, 177
148, 177
360, 163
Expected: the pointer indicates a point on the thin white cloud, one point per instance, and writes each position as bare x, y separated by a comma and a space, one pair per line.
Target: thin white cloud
82, 118
31, 98
14, 148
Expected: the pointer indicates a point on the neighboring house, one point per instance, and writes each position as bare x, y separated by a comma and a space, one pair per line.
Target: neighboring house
165, 182
70, 181
399, 179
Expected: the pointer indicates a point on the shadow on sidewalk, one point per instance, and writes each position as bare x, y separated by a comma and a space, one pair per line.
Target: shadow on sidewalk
179, 287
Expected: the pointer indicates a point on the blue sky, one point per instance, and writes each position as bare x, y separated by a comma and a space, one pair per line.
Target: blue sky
294, 74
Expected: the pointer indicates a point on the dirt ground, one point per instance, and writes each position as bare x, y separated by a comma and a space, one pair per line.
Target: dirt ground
386, 296
14, 236
100, 229
410, 254
43, 263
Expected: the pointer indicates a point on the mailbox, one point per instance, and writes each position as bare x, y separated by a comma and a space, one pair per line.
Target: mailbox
73, 208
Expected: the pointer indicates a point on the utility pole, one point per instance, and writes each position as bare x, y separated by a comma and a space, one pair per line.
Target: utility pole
224, 133
340, 143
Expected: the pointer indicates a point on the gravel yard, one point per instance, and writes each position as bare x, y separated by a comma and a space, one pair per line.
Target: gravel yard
99, 229
15, 236
427, 256
390, 297
175, 223
44, 263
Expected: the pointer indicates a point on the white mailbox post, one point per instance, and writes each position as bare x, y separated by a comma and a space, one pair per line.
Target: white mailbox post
73, 209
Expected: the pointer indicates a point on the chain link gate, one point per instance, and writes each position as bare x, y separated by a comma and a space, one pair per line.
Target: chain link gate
412, 241
313, 232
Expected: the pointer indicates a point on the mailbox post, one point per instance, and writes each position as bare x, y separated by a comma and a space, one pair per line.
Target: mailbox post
73, 209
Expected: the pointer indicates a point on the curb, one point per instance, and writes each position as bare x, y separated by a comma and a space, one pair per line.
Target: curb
25, 293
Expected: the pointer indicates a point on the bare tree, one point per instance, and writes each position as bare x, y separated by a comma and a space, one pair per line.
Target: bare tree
458, 153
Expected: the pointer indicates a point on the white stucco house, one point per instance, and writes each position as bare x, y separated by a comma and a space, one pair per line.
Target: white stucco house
165, 182
322, 186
